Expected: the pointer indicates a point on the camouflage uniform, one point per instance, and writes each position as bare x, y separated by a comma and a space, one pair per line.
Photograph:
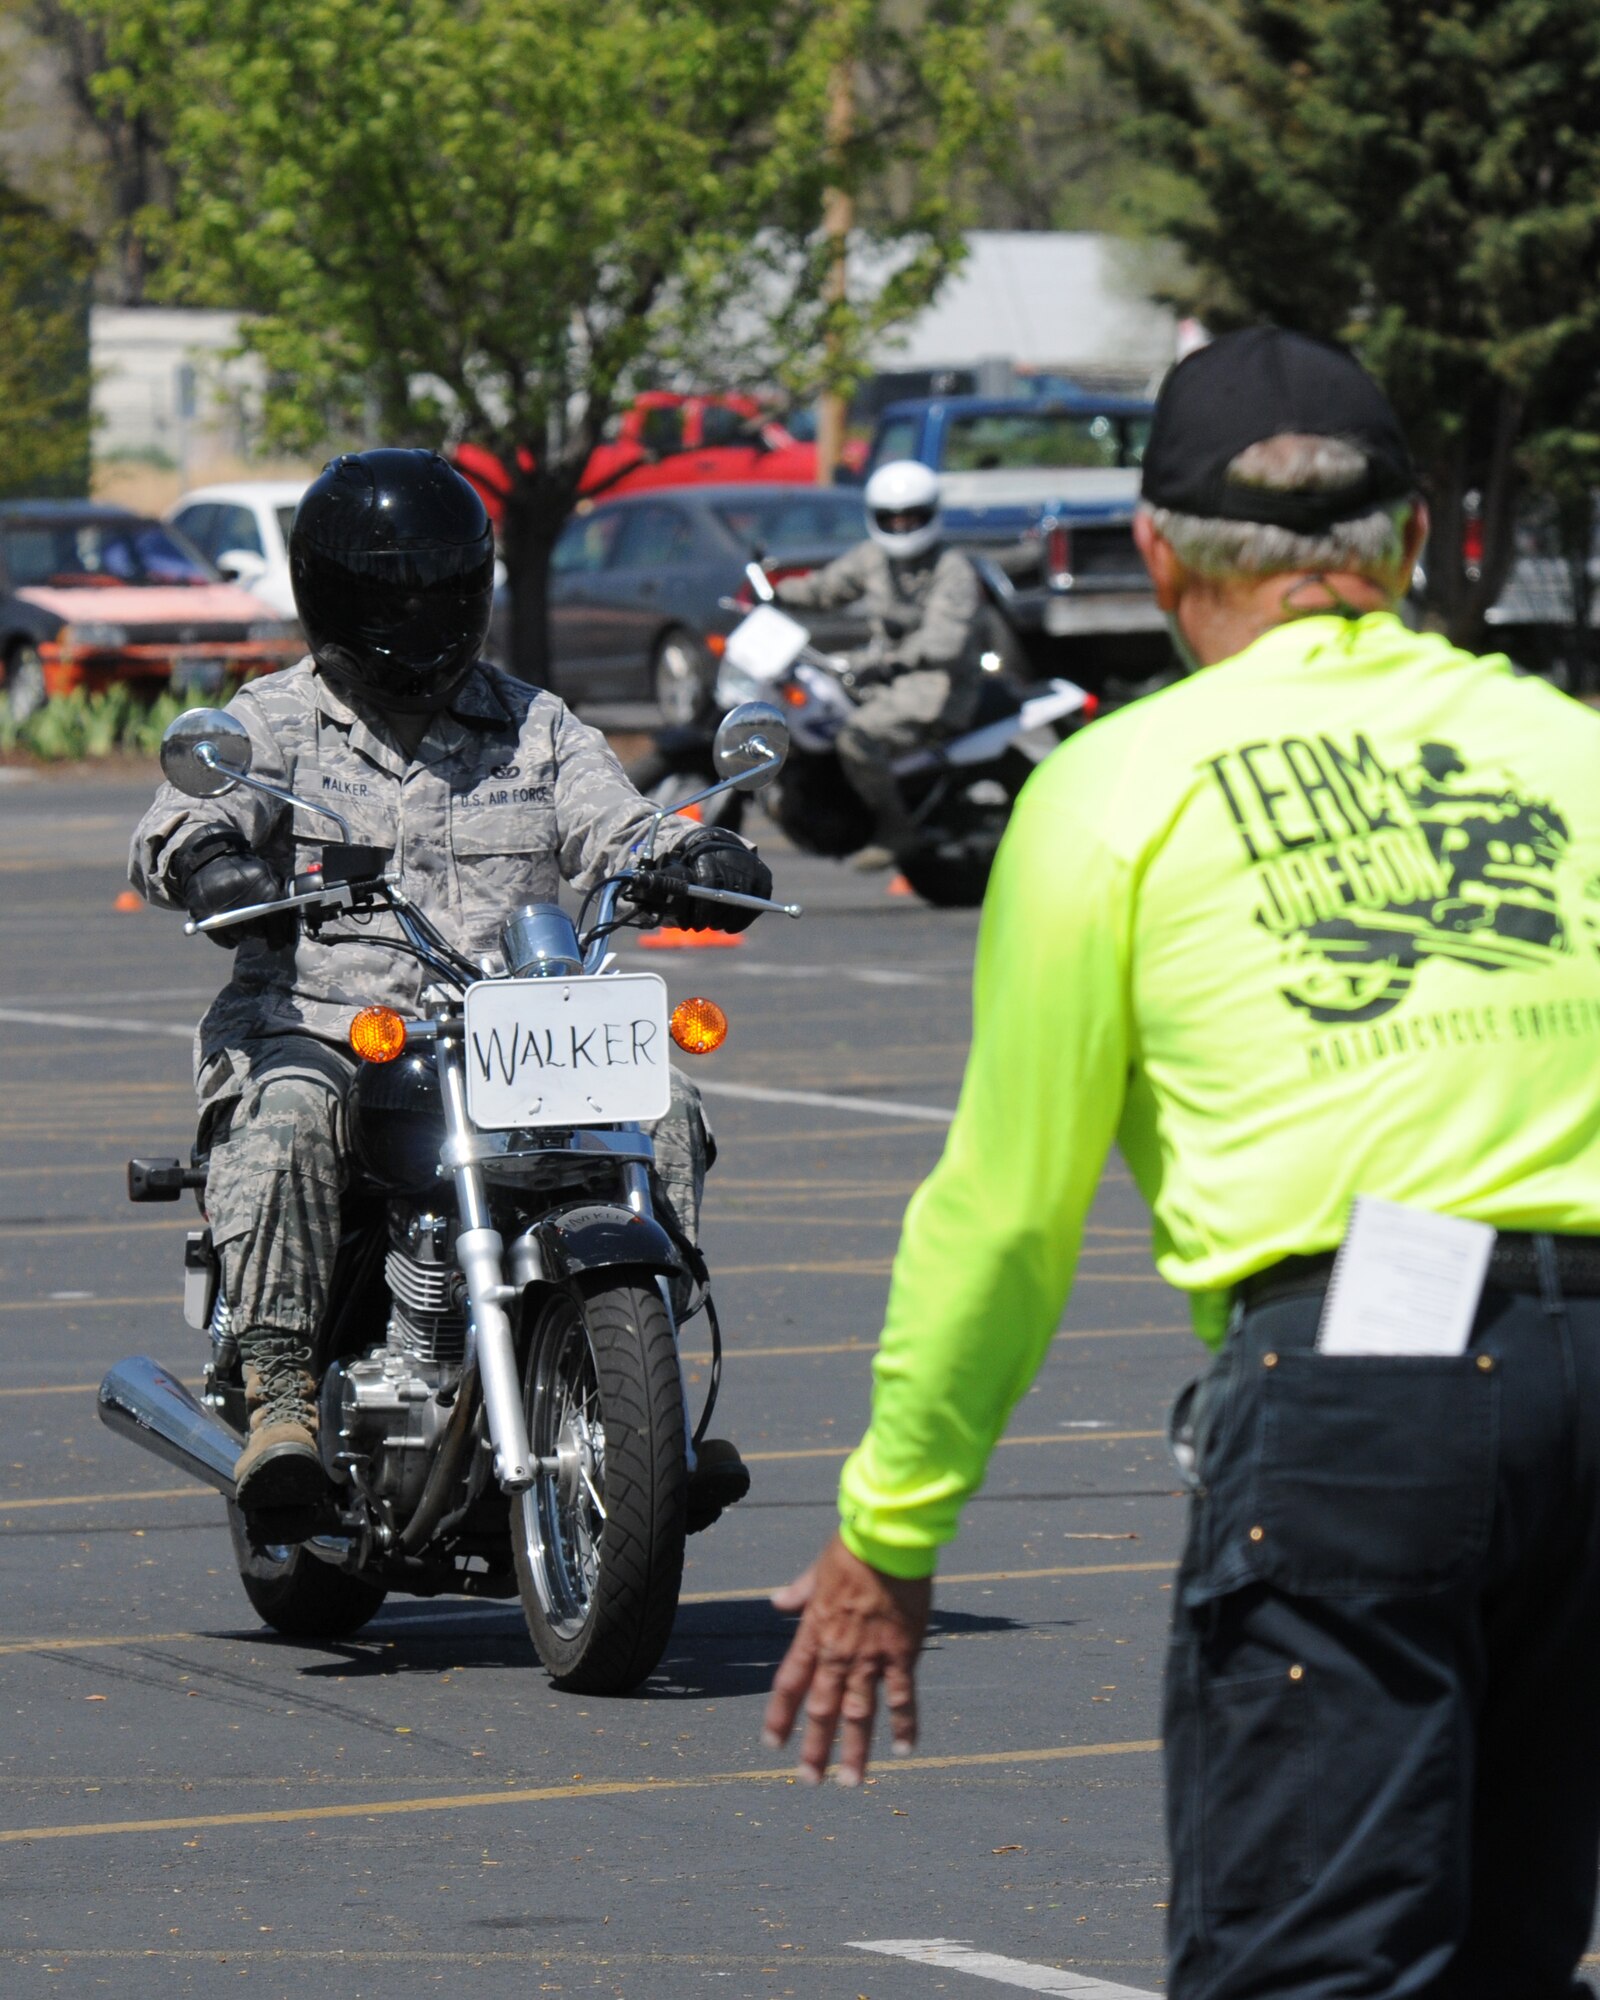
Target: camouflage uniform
507, 796
936, 600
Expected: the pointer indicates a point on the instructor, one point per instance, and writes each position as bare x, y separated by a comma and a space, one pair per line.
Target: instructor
1321, 921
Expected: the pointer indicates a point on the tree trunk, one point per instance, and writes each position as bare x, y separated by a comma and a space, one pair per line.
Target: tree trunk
1576, 522
1459, 596
536, 510
1499, 504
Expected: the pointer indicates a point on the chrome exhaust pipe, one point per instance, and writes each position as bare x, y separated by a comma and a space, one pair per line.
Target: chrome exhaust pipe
140, 1399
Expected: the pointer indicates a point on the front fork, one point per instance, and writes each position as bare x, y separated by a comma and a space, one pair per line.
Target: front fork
479, 1252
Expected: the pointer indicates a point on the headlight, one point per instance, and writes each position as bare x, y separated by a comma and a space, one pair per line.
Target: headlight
92, 638
270, 630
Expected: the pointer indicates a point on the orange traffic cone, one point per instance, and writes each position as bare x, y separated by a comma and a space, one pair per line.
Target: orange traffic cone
128, 899
669, 938
899, 886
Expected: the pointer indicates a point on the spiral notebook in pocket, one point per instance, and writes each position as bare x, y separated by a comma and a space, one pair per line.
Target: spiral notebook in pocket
1405, 1281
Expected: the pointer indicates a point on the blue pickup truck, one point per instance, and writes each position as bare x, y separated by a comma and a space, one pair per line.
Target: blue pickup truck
1042, 491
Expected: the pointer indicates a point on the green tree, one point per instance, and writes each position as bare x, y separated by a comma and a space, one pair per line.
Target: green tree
1423, 181
491, 220
44, 352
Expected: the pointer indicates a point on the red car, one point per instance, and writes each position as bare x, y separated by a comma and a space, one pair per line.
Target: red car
93, 594
664, 439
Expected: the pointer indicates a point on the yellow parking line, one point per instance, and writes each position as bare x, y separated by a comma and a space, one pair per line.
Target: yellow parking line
733, 1352
83, 1305
945, 1582
911, 1767
53, 1389
855, 1267
1006, 1443
114, 1640
696, 1355
194, 1492
880, 1267
20, 1232
750, 1594
200, 1492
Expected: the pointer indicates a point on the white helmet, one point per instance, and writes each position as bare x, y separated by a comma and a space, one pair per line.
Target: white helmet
903, 507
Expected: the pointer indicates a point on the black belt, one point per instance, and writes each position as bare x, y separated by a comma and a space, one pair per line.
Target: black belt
1513, 1266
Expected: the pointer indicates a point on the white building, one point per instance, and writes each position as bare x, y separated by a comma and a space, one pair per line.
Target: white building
1044, 302
166, 383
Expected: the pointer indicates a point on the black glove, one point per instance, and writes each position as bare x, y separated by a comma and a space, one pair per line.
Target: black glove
711, 858
216, 871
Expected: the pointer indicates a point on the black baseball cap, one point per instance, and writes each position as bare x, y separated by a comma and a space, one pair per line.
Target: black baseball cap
1265, 382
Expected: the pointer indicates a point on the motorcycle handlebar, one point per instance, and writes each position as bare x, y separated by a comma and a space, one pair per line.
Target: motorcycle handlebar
631, 884
329, 900
333, 899
743, 902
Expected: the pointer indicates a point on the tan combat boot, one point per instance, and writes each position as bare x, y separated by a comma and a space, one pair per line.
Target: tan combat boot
278, 1478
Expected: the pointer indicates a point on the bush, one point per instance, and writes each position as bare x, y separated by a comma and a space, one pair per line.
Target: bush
77, 726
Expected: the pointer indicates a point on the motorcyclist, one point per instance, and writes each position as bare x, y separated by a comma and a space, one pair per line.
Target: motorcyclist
923, 669
488, 794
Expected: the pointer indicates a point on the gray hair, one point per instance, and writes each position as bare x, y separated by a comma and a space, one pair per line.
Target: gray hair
1288, 464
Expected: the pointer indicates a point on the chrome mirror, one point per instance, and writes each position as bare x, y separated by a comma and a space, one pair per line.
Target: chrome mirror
205, 752
751, 743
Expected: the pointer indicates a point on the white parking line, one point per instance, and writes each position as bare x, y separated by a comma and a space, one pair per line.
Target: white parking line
860, 975
880, 1107
99, 1023
959, 1957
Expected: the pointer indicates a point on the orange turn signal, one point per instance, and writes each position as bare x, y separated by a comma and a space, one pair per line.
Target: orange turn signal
377, 1034
699, 1026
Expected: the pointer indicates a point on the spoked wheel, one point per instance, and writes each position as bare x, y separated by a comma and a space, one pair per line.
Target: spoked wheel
598, 1537
951, 868
298, 1595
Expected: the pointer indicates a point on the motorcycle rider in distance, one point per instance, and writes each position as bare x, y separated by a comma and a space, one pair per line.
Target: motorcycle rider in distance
925, 602
486, 793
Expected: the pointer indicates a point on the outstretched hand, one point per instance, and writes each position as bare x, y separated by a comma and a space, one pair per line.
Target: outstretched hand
857, 1627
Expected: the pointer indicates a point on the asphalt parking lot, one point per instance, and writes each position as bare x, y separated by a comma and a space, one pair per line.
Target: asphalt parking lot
416, 1809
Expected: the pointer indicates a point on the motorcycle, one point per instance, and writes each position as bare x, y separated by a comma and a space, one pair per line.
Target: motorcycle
959, 790
502, 1407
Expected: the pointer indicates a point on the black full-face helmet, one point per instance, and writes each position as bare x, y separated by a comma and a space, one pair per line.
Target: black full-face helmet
392, 560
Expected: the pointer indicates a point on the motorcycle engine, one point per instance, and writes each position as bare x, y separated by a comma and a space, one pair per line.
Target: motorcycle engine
383, 1408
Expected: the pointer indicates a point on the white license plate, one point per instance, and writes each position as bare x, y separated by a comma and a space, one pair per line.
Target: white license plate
766, 643
196, 676
1070, 617
565, 1052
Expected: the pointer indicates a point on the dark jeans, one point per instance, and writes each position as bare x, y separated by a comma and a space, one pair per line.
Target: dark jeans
1383, 1692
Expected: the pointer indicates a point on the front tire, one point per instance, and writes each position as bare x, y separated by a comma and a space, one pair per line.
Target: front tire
599, 1542
950, 869
681, 678
298, 1595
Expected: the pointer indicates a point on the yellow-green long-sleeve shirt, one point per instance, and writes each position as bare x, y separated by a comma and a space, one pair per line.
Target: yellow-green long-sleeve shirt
1319, 921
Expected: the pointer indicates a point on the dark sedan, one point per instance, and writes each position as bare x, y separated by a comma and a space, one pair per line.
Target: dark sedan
635, 584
